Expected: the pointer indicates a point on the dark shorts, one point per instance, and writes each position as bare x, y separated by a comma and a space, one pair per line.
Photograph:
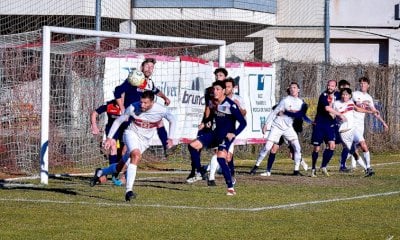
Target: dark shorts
323, 133
211, 140
337, 135
120, 132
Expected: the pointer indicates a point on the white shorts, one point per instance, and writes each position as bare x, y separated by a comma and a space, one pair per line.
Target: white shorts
359, 134
276, 133
347, 138
134, 141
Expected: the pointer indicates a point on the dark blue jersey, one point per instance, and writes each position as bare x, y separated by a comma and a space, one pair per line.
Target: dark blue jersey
323, 116
113, 111
225, 115
210, 102
132, 93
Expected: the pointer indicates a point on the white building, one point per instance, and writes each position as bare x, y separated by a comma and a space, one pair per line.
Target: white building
360, 31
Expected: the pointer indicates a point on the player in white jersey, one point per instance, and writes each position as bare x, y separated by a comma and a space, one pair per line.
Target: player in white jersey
145, 117
280, 124
348, 109
213, 166
363, 100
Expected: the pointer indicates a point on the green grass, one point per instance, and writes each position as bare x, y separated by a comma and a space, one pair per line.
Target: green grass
342, 206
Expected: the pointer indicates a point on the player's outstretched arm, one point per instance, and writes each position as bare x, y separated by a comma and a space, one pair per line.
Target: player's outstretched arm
164, 97
172, 126
93, 123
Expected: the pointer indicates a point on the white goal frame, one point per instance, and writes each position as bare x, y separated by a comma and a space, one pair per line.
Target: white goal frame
46, 49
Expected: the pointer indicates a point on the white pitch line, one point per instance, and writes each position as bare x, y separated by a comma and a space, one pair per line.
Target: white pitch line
283, 206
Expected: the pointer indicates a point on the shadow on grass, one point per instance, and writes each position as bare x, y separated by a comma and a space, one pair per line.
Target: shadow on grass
26, 186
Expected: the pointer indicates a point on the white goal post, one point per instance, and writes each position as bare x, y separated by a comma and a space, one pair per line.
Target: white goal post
46, 63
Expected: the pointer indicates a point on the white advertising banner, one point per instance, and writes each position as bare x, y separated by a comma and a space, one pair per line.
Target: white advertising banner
184, 80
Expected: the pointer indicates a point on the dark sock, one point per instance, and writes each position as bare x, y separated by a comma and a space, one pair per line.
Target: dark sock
343, 157
162, 134
326, 157
226, 172
271, 160
231, 166
195, 156
314, 158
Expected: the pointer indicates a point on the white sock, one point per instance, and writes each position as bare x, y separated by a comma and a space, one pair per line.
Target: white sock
264, 151
213, 167
360, 162
367, 159
130, 176
353, 162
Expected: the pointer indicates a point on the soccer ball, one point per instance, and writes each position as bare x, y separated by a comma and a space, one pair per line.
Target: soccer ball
136, 78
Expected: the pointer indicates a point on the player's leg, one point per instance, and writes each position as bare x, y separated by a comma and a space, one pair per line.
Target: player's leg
221, 157
330, 136
271, 158
135, 148
194, 150
213, 169
291, 135
163, 135
316, 140
114, 168
360, 140
230, 160
273, 137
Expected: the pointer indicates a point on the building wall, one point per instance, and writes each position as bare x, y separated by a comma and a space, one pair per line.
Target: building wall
372, 13
267, 6
361, 31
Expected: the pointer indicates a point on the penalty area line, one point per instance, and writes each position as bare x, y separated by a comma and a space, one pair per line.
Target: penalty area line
283, 206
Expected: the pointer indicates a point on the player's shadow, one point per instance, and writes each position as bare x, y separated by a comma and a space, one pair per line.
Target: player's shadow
24, 186
156, 184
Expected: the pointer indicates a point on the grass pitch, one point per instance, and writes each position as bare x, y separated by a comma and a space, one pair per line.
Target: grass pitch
342, 206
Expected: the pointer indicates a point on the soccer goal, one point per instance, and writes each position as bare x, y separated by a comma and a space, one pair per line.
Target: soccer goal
51, 81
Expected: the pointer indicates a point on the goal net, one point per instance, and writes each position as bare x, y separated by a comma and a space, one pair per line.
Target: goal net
52, 80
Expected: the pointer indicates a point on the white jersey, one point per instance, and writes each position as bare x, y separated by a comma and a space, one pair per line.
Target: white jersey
362, 100
144, 124
240, 100
283, 121
347, 109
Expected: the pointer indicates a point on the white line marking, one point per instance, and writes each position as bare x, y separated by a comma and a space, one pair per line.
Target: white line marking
283, 206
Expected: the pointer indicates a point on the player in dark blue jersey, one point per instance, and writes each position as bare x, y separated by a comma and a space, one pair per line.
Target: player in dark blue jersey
126, 94
113, 111
206, 124
225, 114
324, 129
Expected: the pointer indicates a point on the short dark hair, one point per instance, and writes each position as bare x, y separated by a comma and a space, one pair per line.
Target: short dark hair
294, 83
343, 82
363, 79
149, 60
348, 90
219, 83
231, 80
148, 94
223, 70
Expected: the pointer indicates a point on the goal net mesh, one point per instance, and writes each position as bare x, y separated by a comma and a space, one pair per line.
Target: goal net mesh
78, 85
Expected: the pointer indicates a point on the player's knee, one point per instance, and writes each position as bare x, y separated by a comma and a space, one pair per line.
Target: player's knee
135, 156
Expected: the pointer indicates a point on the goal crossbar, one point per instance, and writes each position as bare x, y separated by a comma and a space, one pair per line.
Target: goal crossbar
46, 50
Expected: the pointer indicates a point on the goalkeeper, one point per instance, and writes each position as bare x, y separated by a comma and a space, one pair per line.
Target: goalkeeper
113, 111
